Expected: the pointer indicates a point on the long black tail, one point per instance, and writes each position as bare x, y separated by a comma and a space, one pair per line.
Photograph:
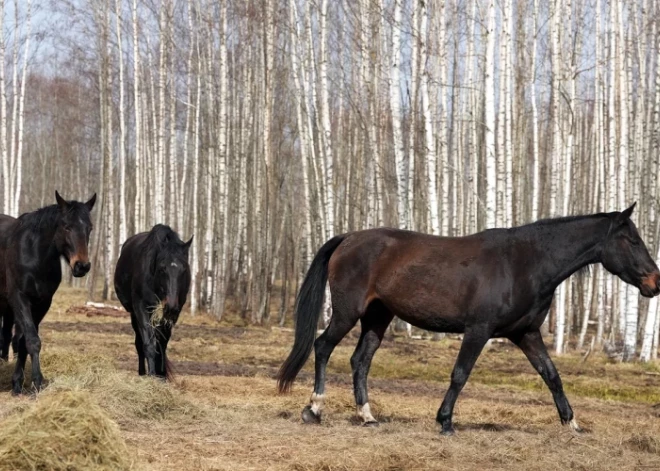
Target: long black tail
308, 310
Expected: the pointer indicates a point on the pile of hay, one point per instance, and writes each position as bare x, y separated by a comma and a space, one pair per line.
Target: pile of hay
65, 431
6, 371
127, 396
56, 362
645, 443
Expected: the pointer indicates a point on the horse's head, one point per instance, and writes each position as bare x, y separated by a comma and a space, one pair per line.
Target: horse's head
72, 233
172, 274
625, 255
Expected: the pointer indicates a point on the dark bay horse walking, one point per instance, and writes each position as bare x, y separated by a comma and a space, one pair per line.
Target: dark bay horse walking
152, 279
30, 273
497, 283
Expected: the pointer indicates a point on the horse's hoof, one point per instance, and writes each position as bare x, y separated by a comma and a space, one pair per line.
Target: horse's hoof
448, 432
309, 417
16, 391
371, 423
575, 427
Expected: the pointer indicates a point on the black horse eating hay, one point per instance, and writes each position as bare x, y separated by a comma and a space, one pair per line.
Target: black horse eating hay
497, 283
152, 279
30, 273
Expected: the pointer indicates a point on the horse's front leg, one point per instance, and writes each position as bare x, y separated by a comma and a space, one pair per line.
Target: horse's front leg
147, 332
28, 343
531, 343
473, 343
7, 321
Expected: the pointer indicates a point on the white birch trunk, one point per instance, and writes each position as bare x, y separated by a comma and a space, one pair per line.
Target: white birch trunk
14, 120
3, 116
414, 79
304, 144
195, 190
489, 112
21, 113
431, 157
139, 189
508, 115
122, 128
395, 106
535, 123
325, 124
629, 309
443, 132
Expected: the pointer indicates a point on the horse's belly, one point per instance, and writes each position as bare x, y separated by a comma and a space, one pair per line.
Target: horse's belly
523, 320
428, 314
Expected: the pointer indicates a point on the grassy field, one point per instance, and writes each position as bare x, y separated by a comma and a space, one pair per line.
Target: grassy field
222, 410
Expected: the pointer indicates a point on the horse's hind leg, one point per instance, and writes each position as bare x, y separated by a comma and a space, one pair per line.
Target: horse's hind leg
473, 343
374, 325
340, 324
139, 346
19, 371
531, 343
7, 319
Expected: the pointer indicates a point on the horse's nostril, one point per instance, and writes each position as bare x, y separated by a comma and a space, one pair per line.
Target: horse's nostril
81, 267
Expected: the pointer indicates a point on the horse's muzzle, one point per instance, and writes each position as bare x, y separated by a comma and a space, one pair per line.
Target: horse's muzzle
171, 305
650, 285
80, 269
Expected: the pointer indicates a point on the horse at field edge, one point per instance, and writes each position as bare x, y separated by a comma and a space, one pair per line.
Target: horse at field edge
496, 283
30, 273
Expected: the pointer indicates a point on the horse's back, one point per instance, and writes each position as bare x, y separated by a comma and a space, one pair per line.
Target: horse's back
421, 278
7, 225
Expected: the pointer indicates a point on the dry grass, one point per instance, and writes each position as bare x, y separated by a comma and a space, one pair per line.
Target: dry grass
222, 412
129, 398
65, 431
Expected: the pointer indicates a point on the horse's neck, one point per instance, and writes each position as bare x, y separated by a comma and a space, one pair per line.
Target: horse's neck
572, 245
48, 255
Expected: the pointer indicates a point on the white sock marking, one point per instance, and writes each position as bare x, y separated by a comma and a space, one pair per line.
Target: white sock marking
364, 412
317, 403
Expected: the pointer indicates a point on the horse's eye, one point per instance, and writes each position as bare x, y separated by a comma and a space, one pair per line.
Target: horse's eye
67, 228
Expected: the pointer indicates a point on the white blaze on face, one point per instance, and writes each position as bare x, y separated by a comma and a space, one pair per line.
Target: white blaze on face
364, 412
316, 403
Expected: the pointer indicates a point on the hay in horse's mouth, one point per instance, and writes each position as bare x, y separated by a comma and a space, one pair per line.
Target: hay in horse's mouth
157, 315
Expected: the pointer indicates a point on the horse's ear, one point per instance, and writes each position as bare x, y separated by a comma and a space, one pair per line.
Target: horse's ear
626, 213
90, 203
189, 243
61, 201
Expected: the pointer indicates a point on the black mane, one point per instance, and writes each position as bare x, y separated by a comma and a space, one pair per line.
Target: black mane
558, 220
162, 236
43, 217
162, 240
49, 216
